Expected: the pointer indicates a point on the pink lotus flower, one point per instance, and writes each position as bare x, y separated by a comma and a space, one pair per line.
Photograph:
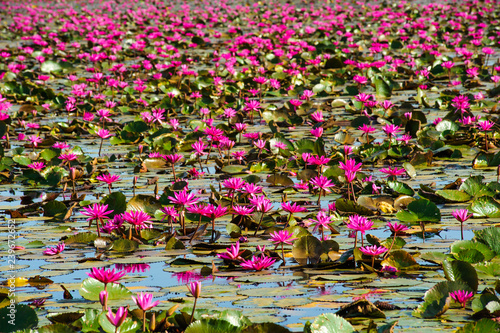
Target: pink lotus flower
373, 251
52, 251
243, 210
106, 275
38, 166
232, 253
461, 296
258, 263
282, 237
145, 301
461, 215
359, 223
118, 319
138, 219
396, 228
97, 212
393, 171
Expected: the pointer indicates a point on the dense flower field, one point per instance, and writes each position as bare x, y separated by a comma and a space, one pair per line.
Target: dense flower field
231, 166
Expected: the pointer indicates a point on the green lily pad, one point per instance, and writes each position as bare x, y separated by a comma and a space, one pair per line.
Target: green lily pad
454, 195
233, 230
116, 201
475, 187
469, 245
233, 169
421, 210
490, 268
401, 188
489, 236
124, 245
82, 237
307, 248
329, 323
56, 328
400, 259
382, 89
144, 203
485, 207
25, 318
91, 288
461, 271
212, 325
348, 206
483, 325
265, 328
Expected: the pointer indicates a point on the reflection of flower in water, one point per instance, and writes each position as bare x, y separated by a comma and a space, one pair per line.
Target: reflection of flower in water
188, 276
325, 290
132, 268
368, 295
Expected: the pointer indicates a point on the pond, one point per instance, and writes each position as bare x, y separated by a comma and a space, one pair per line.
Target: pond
251, 166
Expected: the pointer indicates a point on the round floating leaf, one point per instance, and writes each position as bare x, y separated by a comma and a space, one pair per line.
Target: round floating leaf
212, 325
265, 328
454, 195
400, 259
54, 208
82, 237
410, 169
443, 289
50, 66
470, 256
307, 248
475, 187
401, 188
348, 206
481, 326
330, 323
282, 180
90, 321
461, 271
233, 230
382, 89
116, 201
24, 318
56, 328
136, 127
489, 236
447, 125
91, 288
233, 169
124, 245
485, 207
234, 317
421, 210
145, 203
490, 268
434, 308
468, 245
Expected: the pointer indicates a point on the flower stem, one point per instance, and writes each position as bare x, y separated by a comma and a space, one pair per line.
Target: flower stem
192, 313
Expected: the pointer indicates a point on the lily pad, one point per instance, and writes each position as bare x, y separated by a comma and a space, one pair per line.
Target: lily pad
468, 245
91, 288
421, 210
457, 270
485, 207
329, 323
307, 249
454, 195
400, 259
489, 236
